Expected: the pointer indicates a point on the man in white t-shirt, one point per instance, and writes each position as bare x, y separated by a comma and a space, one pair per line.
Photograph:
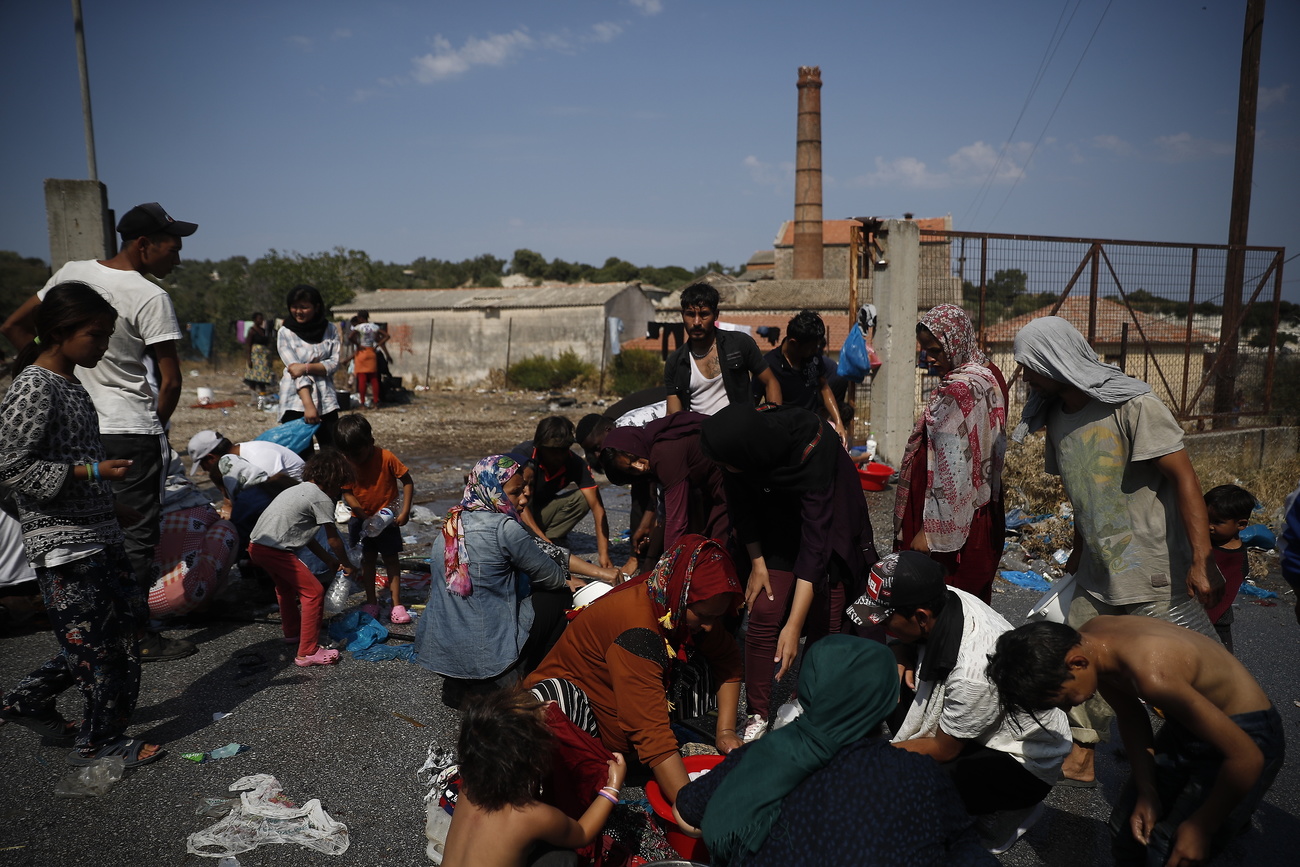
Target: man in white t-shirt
131, 414
245, 494
944, 637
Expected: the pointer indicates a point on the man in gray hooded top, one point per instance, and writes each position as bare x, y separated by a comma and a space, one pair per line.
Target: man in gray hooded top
1140, 539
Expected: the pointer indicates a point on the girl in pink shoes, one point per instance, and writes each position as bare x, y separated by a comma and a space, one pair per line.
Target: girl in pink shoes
291, 523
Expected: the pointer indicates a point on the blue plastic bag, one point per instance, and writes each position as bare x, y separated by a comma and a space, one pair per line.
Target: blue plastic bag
359, 630
855, 363
293, 435
1031, 580
1258, 536
383, 652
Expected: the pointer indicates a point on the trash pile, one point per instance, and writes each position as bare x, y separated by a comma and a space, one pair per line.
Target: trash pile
263, 814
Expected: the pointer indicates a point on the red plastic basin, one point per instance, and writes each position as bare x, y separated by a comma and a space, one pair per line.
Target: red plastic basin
874, 476
687, 846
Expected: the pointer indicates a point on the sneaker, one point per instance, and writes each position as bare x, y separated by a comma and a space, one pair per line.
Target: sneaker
155, 647
754, 729
399, 614
322, 656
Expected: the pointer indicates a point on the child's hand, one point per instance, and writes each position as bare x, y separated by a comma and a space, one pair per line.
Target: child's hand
617, 771
348, 569
402, 518
114, 470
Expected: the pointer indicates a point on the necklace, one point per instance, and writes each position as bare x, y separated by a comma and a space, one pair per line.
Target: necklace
701, 356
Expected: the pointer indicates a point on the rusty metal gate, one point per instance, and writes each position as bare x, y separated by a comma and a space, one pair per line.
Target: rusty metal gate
1155, 309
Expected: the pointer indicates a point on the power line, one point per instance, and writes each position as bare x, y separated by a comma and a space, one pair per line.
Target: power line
1061, 99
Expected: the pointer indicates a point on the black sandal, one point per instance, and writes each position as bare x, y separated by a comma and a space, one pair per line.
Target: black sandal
127, 748
54, 730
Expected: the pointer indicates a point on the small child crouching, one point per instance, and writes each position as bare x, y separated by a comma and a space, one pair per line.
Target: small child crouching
290, 523
505, 751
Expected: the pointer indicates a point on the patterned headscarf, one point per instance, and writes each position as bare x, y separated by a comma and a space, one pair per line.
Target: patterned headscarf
484, 492
964, 431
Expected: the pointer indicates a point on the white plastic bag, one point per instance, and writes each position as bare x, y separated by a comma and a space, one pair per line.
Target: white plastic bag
1054, 606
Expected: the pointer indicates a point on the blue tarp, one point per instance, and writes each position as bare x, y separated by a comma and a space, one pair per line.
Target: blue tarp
1031, 580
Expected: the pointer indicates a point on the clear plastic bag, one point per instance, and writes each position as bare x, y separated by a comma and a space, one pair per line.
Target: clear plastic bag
91, 781
264, 815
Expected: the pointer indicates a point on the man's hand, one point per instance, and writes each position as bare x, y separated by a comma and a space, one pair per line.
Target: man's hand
1199, 586
1191, 845
920, 543
759, 582
906, 658
1143, 820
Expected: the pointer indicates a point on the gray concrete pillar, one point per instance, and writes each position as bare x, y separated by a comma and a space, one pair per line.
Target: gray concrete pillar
895, 292
81, 226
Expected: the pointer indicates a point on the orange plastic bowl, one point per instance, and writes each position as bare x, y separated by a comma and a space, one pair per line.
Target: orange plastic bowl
687, 846
874, 476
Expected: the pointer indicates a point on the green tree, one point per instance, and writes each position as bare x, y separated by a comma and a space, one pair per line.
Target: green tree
20, 278
339, 274
528, 263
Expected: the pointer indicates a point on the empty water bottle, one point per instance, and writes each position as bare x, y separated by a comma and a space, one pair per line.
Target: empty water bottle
378, 522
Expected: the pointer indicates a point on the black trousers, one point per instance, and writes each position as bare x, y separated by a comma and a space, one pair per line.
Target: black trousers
142, 491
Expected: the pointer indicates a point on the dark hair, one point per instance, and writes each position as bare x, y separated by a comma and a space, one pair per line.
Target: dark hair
700, 295
553, 430
806, 327
66, 308
223, 447
353, 433
257, 313
934, 606
592, 425
505, 749
1230, 503
308, 293
617, 476
328, 469
1028, 667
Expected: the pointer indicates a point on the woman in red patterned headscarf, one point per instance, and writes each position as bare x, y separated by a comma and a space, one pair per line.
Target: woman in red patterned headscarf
949, 499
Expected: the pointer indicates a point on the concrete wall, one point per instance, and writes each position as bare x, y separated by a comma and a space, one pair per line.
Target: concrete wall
468, 345
79, 221
1242, 450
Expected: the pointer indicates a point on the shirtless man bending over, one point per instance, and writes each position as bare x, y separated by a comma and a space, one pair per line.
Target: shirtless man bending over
1195, 784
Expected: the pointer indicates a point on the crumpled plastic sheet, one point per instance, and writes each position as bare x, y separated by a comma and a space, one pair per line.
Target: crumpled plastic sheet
1258, 592
359, 630
1018, 517
1032, 580
263, 815
382, 652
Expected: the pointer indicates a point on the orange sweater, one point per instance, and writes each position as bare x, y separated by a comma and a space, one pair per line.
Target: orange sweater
614, 652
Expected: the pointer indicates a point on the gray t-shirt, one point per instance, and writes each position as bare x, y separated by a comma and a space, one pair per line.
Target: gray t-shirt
292, 518
1125, 509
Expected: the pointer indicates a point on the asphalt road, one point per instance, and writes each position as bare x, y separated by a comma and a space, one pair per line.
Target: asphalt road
353, 735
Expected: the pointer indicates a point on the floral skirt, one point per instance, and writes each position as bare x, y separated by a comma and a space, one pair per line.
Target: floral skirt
259, 367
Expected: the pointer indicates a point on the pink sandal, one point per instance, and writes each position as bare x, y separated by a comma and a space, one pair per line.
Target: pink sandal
322, 656
399, 614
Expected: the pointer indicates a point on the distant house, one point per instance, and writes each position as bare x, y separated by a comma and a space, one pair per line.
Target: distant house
1159, 359
461, 336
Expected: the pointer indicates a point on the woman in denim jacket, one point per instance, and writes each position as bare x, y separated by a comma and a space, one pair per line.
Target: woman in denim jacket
481, 625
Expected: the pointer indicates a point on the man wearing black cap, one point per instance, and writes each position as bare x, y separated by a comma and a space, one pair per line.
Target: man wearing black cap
951, 710
131, 414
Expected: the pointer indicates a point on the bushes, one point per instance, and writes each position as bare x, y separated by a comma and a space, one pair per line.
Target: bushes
540, 373
635, 369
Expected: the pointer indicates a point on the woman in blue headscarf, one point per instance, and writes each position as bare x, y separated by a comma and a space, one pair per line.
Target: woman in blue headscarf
825, 789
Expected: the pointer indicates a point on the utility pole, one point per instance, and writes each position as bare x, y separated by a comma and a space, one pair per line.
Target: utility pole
80, 29
1225, 386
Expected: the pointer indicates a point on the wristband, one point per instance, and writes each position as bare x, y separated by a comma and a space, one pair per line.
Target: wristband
610, 789
93, 469
608, 797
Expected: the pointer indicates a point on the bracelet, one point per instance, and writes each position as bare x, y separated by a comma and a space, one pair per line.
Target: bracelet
608, 797
609, 789
93, 470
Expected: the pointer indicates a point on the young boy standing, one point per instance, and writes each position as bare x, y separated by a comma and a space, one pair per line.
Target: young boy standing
1195, 784
1229, 509
378, 473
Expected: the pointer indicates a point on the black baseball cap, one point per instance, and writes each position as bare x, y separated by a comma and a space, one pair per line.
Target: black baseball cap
150, 219
902, 580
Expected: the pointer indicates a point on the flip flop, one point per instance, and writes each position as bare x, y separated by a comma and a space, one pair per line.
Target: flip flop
128, 748
54, 730
1076, 784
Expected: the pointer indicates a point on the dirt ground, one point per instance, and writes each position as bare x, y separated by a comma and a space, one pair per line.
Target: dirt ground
439, 434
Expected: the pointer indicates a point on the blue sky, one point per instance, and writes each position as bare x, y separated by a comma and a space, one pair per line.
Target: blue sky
658, 131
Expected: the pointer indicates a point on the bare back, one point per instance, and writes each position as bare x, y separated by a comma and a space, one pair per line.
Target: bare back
498, 838
1152, 657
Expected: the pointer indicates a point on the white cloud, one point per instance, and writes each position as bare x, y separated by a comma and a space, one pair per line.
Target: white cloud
1184, 147
1112, 143
902, 172
1271, 96
447, 62
604, 31
768, 174
970, 164
301, 41
647, 7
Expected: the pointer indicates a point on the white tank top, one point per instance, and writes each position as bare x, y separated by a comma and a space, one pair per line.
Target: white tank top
707, 395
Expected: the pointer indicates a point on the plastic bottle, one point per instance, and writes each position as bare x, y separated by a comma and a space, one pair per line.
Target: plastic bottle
378, 522
871, 444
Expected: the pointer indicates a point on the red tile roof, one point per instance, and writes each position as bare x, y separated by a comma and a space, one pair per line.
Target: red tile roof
837, 233
1111, 316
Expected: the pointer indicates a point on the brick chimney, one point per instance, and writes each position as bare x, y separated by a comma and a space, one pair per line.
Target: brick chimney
808, 177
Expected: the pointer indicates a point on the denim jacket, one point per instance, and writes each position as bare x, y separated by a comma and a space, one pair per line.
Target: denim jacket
481, 635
